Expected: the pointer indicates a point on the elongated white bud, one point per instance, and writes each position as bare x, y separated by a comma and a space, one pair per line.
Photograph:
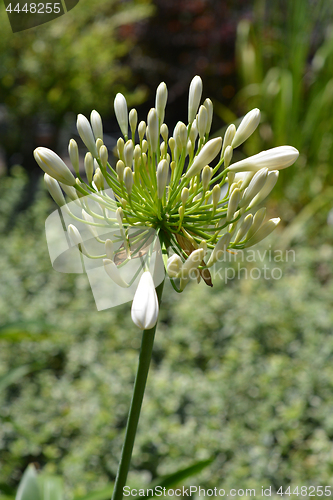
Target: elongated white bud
121, 112
153, 127
216, 193
193, 132
180, 135
246, 128
142, 130
145, 307
228, 138
174, 265
89, 166
98, 179
120, 147
263, 232
128, 153
96, 123
271, 180
133, 120
245, 226
164, 132
184, 195
54, 190
258, 219
120, 167
228, 156
254, 187
209, 106
206, 176
219, 249
109, 249
84, 128
128, 179
273, 159
206, 155
189, 269
54, 166
73, 152
70, 191
103, 154
99, 144
114, 273
162, 177
233, 204
194, 97
161, 100
202, 119
76, 238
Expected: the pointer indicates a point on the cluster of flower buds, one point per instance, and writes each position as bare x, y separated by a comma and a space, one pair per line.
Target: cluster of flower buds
182, 184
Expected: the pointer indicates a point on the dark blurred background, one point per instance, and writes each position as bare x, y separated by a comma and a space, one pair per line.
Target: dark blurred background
247, 379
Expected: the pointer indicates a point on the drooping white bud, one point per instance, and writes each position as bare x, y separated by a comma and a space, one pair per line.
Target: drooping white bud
121, 111
162, 177
96, 123
73, 152
128, 179
152, 121
202, 119
245, 226
263, 232
89, 166
271, 180
161, 100
233, 204
133, 120
84, 128
228, 138
206, 155
228, 156
74, 235
209, 106
54, 166
273, 159
114, 273
128, 153
246, 128
258, 219
194, 97
174, 265
206, 176
103, 154
54, 190
120, 167
145, 306
219, 249
254, 187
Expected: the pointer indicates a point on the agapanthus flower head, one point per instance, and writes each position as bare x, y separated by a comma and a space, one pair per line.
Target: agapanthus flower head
183, 186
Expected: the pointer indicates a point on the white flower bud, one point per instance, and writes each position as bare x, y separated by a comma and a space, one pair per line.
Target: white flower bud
254, 187
54, 166
174, 265
193, 132
96, 123
145, 307
120, 109
128, 153
109, 249
246, 128
142, 130
273, 159
228, 156
194, 97
162, 177
54, 190
120, 147
233, 204
206, 176
114, 273
164, 132
245, 226
153, 129
161, 100
133, 120
202, 119
144, 146
271, 180
219, 249
206, 155
263, 232
120, 167
137, 153
84, 128
119, 216
184, 195
74, 235
163, 148
209, 106
228, 137
70, 191
216, 193
257, 221
189, 147
128, 179
73, 152
190, 266
99, 144
103, 154
98, 179
89, 166
180, 135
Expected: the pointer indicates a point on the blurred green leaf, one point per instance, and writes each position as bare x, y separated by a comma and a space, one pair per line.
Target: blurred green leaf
28, 488
13, 375
103, 494
51, 487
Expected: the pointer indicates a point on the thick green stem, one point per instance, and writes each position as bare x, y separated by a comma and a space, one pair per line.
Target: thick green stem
136, 403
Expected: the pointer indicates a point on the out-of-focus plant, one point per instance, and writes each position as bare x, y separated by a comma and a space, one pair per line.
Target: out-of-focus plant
70, 64
285, 62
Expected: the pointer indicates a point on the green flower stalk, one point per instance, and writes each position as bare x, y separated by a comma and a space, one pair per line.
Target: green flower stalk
180, 190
